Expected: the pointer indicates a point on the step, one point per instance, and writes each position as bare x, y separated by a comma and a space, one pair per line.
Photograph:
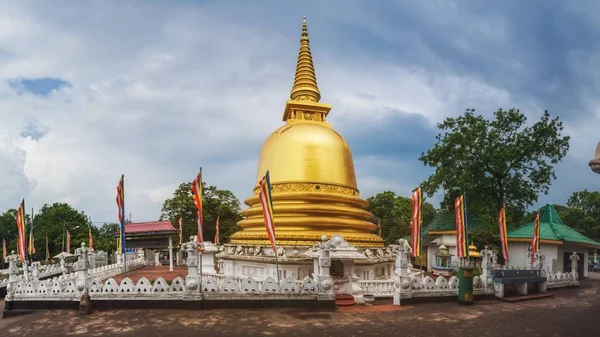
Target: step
526, 297
344, 300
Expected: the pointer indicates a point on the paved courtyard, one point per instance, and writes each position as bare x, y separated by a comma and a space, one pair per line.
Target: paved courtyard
571, 312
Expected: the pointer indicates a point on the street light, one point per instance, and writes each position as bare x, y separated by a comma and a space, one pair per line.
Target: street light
595, 163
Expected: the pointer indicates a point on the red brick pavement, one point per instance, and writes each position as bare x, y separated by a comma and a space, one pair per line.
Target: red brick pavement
152, 273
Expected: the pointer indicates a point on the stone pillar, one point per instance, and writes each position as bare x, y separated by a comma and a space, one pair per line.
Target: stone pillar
63, 268
316, 269
325, 280
92, 259
595, 256
192, 280
13, 275
486, 257
401, 271
156, 259
170, 253
208, 257
178, 258
81, 282
35, 271
26, 270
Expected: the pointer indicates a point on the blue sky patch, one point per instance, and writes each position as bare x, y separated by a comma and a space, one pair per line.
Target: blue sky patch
38, 86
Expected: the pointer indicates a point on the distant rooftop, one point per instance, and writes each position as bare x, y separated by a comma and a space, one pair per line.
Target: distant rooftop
552, 230
149, 228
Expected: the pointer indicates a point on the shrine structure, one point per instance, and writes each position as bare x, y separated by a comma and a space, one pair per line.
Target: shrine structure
315, 194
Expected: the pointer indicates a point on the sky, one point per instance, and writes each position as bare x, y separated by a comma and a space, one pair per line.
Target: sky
90, 90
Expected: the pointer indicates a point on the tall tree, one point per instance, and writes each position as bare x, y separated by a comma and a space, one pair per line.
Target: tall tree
394, 212
584, 213
215, 202
496, 162
52, 221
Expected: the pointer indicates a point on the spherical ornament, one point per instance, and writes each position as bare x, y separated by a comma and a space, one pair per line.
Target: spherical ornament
80, 287
405, 284
326, 284
192, 285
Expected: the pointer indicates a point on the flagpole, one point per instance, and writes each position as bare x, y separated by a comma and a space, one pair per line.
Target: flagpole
123, 247
32, 239
277, 266
466, 228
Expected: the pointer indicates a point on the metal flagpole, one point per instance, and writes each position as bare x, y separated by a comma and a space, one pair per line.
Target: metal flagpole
123, 246
466, 228
277, 265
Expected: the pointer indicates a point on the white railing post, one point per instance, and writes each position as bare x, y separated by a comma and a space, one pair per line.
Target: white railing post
402, 279
325, 281
13, 272
192, 280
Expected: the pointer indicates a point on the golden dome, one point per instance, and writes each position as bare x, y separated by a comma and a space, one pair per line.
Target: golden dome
310, 152
312, 174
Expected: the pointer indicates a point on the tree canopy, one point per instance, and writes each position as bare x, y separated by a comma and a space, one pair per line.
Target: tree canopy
215, 203
502, 161
395, 213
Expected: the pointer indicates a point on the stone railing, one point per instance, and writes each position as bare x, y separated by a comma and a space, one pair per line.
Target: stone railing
418, 286
66, 289
99, 284
561, 280
378, 288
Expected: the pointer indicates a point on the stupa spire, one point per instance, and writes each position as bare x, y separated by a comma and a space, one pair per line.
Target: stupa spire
305, 82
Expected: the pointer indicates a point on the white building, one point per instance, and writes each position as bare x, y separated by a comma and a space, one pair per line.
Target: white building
557, 243
442, 231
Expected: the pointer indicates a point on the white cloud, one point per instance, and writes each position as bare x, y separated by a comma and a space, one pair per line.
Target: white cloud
158, 91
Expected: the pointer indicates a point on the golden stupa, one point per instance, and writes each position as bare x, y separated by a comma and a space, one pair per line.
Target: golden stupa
312, 174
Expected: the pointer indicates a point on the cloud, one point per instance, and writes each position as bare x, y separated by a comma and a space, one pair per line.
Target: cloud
94, 90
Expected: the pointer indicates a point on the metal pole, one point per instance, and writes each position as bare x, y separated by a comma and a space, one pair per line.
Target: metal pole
200, 266
466, 227
277, 266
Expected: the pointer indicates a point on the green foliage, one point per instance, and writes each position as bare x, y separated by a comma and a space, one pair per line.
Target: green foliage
583, 213
215, 202
52, 221
495, 162
394, 212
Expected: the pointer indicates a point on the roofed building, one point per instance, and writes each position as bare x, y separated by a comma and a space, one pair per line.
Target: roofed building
442, 231
557, 242
157, 236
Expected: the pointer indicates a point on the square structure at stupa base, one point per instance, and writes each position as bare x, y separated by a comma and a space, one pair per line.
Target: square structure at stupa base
259, 261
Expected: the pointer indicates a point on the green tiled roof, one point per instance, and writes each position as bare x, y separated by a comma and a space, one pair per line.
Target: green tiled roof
445, 221
552, 228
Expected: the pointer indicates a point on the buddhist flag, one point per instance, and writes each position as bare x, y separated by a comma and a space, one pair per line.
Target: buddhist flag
91, 239
535, 242
461, 227
180, 230
21, 246
68, 242
217, 231
197, 195
121, 206
267, 205
3, 249
415, 222
503, 233
31, 239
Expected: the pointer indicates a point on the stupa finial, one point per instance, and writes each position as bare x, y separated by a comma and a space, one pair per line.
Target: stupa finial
305, 82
